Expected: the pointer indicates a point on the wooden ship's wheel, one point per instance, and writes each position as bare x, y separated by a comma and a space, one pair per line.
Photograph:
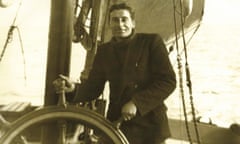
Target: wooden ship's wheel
73, 125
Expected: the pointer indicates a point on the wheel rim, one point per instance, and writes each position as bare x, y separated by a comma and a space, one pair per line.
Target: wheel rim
46, 114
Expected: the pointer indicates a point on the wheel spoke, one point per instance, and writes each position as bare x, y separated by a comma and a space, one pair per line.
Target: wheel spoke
74, 124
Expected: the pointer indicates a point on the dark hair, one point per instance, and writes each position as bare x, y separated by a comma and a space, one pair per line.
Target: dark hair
122, 6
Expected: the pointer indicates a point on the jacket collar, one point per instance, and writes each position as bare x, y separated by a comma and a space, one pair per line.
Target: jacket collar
127, 39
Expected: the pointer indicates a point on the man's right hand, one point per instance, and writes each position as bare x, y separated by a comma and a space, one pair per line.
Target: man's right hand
129, 110
63, 83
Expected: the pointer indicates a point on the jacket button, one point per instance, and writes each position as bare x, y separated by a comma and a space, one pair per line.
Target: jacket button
136, 86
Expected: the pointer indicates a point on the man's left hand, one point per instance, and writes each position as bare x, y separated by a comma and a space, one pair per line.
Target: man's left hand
129, 110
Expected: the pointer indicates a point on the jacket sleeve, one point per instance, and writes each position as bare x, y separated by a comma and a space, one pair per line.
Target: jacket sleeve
94, 85
162, 79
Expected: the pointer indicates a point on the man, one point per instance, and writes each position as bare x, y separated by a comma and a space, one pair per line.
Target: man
140, 76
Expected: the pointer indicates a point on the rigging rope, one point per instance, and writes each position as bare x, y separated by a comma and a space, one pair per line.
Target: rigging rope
189, 84
188, 77
10, 38
194, 32
180, 73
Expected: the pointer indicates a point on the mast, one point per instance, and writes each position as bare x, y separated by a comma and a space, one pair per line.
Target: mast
58, 59
59, 46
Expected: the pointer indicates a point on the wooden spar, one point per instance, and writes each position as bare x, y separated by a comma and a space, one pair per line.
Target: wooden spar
58, 59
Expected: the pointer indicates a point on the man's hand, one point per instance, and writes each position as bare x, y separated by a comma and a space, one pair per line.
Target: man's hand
129, 110
63, 83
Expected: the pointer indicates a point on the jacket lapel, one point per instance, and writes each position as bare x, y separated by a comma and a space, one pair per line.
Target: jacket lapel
133, 56
131, 62
125, 68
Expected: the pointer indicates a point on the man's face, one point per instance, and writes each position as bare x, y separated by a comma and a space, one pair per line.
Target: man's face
121, 23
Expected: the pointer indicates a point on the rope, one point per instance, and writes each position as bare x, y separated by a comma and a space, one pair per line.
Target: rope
188, 78
10, 32
180, 74
23, 55
10, 38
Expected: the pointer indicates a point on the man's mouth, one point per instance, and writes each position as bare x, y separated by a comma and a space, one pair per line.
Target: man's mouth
121, 30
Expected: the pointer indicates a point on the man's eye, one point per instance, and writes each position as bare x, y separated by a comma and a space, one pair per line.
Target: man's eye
117, 20
124, 19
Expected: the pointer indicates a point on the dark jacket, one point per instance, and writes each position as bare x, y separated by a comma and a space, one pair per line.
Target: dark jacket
142, 74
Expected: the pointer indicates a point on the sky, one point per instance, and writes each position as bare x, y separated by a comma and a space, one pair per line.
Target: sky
222, 12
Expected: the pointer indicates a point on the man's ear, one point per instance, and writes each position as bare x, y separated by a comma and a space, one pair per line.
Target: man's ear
134, 23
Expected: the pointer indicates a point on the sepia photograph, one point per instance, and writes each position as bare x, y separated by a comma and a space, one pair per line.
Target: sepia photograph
119, 72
